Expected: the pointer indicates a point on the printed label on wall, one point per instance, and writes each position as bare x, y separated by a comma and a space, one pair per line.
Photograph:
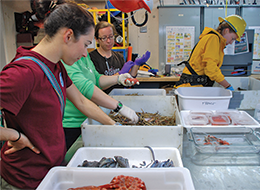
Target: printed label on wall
256, 53
256, 67
179, 43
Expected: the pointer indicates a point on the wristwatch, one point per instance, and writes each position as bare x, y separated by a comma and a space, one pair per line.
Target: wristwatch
119, 106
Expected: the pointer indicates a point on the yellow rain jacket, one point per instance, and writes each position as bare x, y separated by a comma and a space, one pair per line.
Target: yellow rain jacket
207, 57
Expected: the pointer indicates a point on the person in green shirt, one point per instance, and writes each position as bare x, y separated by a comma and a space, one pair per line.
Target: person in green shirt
90, 82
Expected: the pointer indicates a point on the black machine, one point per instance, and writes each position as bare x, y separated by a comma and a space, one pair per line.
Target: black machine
240, 64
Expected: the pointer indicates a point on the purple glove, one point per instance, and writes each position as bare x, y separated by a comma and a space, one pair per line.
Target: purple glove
126, 67
154, 71
140, 61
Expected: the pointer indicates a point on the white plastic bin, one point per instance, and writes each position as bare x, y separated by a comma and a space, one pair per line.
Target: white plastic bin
135, 155
63, 178
249, 94
96, 135
139, 92
203, 98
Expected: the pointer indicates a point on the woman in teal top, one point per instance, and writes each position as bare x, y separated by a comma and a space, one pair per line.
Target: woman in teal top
90, 82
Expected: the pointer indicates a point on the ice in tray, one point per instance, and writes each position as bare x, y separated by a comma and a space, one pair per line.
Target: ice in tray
236, 140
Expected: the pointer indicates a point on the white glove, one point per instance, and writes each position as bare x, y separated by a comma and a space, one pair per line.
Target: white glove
122, 79
129, 113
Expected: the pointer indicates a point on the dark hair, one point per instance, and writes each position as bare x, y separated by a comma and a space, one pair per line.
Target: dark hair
223, 25
69, 15
101, 25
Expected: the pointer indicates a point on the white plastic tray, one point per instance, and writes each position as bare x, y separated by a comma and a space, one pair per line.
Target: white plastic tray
247, 98
62, 178
140, 92
252, 123
96, 135
135, 155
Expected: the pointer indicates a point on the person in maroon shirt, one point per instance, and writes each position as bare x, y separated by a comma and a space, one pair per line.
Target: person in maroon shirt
30, 104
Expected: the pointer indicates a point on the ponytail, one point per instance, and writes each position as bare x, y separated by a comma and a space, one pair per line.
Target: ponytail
69, 15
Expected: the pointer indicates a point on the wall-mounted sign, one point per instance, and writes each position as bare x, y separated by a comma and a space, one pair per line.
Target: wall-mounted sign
179, 43
256, 53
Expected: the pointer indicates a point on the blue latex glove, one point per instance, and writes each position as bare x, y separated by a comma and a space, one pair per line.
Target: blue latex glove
230, 88
126, 67
140, 61
154, 71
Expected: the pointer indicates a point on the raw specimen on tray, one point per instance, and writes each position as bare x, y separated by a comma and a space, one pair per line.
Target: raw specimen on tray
116, 162
118, 182
145, 118
217, 141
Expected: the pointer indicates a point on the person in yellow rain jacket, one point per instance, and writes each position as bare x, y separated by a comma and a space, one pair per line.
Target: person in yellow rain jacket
203, 66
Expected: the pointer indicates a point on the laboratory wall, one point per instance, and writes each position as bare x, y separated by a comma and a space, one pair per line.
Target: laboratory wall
8, 32
141, 39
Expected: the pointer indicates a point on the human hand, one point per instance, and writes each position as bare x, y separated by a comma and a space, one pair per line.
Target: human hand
132, 81
129, 113
230, 88
126, 80
20, 144
126, 67
140, 61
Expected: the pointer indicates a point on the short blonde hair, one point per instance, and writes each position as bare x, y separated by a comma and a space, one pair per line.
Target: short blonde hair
101, 25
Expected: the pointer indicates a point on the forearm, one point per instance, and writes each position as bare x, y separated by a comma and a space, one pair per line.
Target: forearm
91, 110
107, 81
102, 99
7, 134
224, 83
134, 70
87, 107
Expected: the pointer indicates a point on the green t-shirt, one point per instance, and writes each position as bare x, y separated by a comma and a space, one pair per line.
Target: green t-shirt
85, 77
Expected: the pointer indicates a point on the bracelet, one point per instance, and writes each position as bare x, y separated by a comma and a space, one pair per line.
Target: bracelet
18, 137
119, 106
228, 86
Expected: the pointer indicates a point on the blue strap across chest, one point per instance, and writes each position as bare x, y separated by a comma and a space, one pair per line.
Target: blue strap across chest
51, 78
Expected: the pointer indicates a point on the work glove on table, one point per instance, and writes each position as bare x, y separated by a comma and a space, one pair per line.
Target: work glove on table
140, 61
154, 71
129, 113
127, 80
230, 88
126, 67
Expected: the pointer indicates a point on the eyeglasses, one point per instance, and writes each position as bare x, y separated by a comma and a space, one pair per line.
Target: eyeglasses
107, 37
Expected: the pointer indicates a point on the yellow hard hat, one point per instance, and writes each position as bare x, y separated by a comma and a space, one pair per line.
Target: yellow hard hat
237, 23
